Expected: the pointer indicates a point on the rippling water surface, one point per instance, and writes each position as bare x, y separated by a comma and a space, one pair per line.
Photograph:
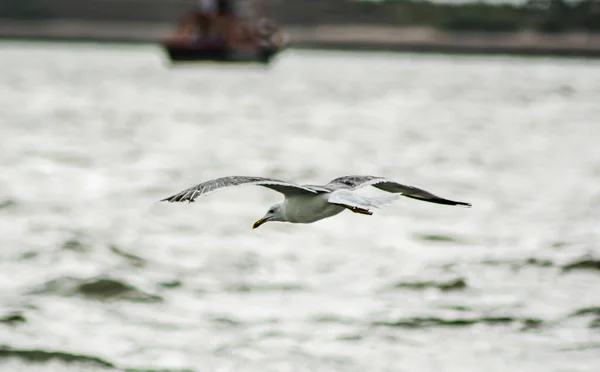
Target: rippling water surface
96, 275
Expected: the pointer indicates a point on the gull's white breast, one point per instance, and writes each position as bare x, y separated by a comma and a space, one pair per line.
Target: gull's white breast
307, 209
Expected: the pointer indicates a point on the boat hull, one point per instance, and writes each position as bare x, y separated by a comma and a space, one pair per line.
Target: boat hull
183, 53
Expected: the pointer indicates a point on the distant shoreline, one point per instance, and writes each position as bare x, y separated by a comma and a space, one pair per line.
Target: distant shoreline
348, 38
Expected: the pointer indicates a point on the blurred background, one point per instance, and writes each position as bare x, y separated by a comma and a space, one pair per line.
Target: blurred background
492, 103
445, 25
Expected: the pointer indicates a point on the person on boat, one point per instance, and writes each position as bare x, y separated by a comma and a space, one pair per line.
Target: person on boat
216, 21
225, 21
206, 15
208, 6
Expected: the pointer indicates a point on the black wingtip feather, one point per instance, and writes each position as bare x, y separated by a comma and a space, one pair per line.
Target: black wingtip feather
176, 198
442, 201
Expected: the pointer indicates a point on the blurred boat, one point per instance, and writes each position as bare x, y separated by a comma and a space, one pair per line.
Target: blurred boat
224, 38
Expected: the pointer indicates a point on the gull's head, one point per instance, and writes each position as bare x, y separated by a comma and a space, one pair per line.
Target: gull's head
273, 214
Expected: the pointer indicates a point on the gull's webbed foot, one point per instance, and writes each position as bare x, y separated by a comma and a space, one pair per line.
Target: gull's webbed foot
360, 210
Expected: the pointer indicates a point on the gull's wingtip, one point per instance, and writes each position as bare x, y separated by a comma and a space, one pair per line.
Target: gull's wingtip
438, 200
169, 199
177, 198
173, 198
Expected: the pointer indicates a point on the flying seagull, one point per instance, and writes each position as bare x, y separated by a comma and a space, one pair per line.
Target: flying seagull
310, 203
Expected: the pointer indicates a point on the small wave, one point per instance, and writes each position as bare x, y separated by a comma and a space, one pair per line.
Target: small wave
439, 238
581, 347
170, 284
583, 264
248, 287
8, 203
426, 322
13, 319
74, 245
100, 288
455, 307
41, 356
29, 255
538, 262
519, 264
593, 312
332, 318
103, 288
456, 284
133, 259
351, 337
225, 321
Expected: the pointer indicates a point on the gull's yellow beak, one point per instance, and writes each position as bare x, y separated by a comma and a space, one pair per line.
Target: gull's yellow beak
259, 222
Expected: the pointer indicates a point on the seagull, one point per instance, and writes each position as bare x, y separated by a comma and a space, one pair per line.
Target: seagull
311, 203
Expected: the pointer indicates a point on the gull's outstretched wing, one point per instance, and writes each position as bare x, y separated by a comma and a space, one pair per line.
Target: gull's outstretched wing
355, 182
208, 187
347, 198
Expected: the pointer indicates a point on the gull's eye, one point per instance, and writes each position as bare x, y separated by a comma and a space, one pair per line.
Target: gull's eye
271, 210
